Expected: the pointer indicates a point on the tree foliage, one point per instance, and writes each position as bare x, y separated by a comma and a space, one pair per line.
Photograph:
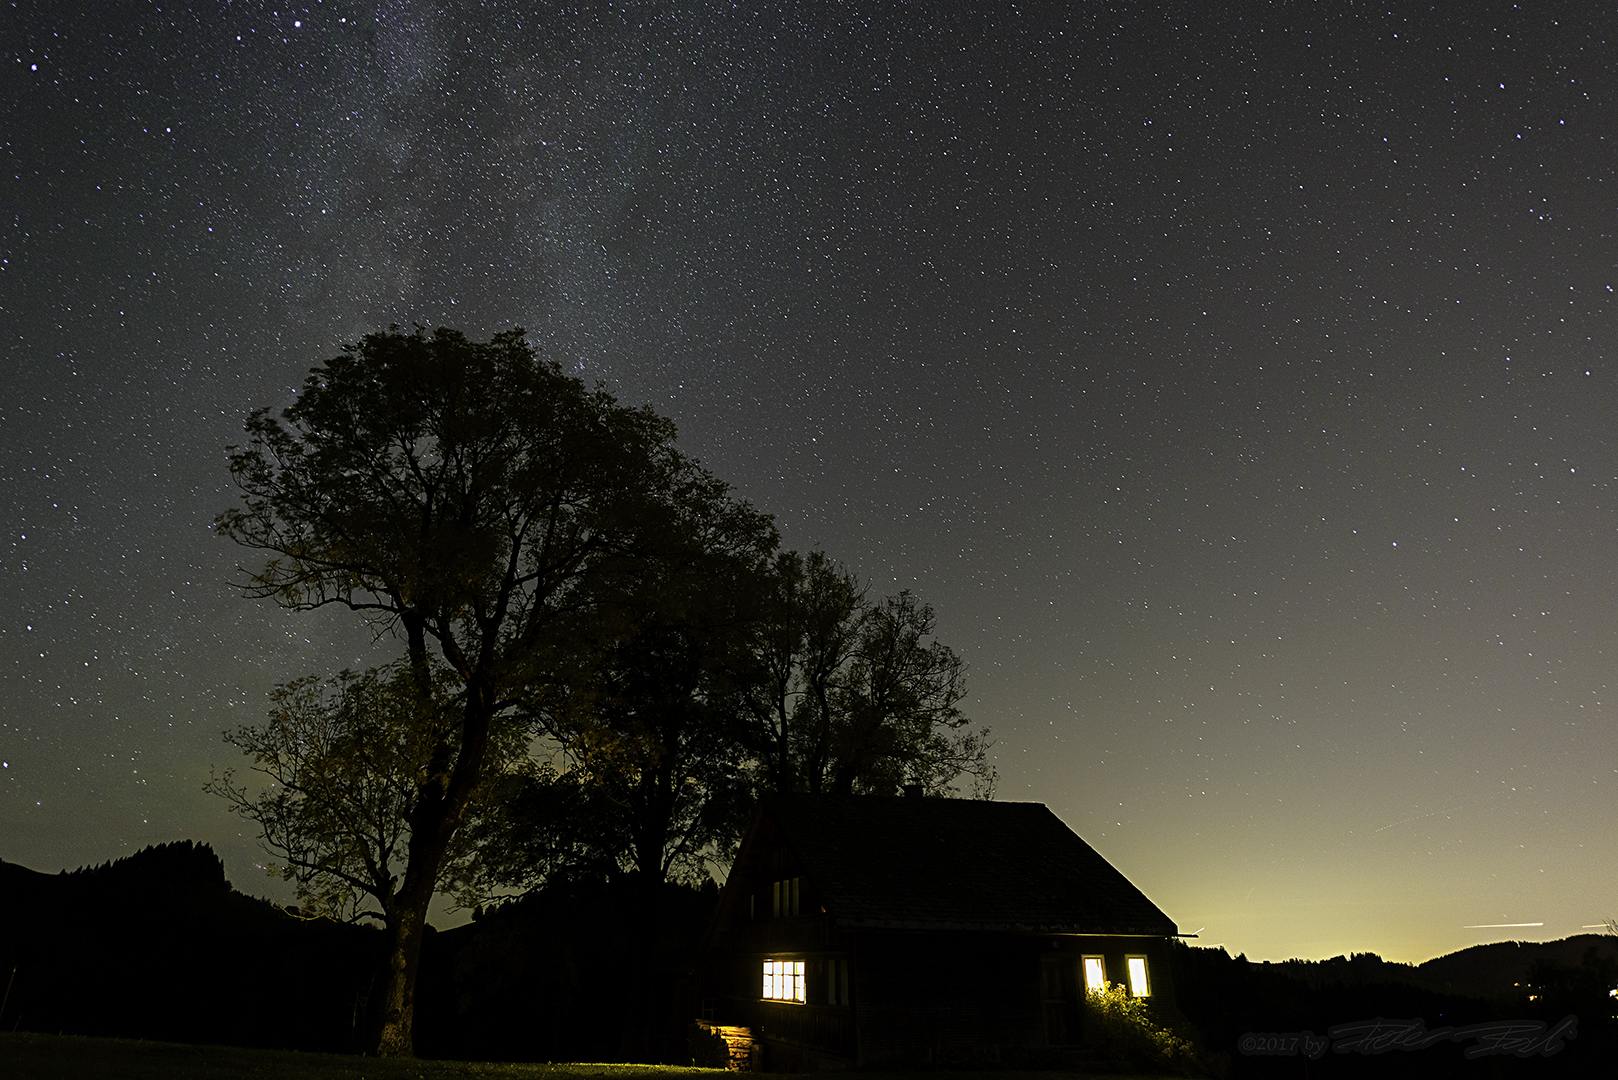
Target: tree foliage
852, 695
558, 575
656, 779
340, 762
465, 497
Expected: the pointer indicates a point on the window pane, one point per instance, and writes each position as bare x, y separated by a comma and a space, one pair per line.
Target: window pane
1138, 986
1095, 974
784, 981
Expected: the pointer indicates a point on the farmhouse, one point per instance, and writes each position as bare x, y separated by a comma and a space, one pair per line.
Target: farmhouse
862, 930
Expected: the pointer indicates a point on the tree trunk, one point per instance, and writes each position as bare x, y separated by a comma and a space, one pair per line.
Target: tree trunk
433, 821
392, 1033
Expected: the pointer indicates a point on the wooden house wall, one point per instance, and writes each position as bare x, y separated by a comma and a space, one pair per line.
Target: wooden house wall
925, 998
797, 1037
945, 999
1115, 951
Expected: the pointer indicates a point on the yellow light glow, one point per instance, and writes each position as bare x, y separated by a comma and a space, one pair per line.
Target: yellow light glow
1138, 986
783, 981
1095, 974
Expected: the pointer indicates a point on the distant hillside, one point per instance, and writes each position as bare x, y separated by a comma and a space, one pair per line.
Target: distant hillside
159, 946
1497, 969
1226, 997
1358, 969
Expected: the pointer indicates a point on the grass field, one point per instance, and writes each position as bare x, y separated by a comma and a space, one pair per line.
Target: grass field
68, 1057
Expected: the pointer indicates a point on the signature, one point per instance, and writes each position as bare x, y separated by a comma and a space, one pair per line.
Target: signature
1522, 1038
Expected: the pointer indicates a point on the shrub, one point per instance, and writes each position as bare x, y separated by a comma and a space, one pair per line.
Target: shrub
708, 1049
1120, 1027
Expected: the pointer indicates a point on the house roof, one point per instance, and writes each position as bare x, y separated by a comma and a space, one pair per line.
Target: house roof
957, 864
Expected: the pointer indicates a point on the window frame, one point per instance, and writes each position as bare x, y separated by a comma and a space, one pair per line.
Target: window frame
784, 977
1142, 988
785, 897
1101, 969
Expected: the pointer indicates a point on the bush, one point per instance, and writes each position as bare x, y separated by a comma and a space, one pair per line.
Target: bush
1120, 1027
708, 1049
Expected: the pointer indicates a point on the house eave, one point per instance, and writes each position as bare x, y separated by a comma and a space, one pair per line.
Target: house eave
1048, 929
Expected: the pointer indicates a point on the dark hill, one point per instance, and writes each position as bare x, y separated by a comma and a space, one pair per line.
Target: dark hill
159, 946
1500, 968
1226, 997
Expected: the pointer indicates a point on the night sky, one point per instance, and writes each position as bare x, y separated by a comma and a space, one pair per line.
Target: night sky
1238, 384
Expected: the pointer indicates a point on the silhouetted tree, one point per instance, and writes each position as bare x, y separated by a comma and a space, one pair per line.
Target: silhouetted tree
656, 780
897, 720
851, 695
805, 639
725, 670
342, 762
663, 740
462, 496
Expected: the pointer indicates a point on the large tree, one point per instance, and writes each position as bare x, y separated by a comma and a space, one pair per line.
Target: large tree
655, 781
467, 497
726, 671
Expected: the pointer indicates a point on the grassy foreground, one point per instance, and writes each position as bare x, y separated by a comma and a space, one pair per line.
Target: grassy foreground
69, 1057
25, 1056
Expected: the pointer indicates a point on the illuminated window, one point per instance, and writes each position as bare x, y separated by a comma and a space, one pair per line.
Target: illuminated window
1095, 974
1138, 986
783, 980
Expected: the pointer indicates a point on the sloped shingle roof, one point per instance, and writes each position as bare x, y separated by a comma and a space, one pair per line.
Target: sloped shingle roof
958, 864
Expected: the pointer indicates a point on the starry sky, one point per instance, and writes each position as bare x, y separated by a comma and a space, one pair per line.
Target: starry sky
1236, 380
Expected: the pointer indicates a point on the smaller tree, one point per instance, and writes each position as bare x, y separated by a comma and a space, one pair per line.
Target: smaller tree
856, 696
343, 760
556, 826
812, 612
899, 721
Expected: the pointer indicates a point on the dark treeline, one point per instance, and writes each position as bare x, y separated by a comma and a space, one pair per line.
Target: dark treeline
568, 973
159, 946
1226, 997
